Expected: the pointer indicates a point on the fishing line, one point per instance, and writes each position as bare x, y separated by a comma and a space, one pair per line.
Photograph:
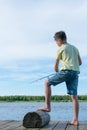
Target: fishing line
42, 78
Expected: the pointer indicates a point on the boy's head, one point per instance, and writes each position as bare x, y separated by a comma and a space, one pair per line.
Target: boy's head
60, 38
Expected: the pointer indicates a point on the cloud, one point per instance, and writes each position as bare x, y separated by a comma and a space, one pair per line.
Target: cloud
27, 28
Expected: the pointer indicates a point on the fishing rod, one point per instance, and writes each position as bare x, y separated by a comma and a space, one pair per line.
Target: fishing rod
42, 78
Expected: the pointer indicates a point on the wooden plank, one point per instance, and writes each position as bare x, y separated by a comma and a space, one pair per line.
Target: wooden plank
50, 126
12, 125
82, 126
61, 126
71, 127
53, 125
22, 128
33, 129
19, 128
5, 124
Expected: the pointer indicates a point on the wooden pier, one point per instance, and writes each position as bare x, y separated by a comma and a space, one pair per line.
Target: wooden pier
53, 125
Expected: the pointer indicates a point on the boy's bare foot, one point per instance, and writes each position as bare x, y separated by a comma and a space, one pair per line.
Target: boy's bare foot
74, 122
46, 109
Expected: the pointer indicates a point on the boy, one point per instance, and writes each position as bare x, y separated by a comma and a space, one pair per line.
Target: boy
69, 55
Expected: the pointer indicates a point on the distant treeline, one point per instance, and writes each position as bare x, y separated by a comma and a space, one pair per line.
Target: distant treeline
55, 98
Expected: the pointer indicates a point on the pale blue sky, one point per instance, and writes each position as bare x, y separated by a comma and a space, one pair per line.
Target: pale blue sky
26, 36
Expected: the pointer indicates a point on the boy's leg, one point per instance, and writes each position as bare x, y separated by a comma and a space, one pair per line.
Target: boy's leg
47, 106
72, 85
47, 95
54, 80
76, 110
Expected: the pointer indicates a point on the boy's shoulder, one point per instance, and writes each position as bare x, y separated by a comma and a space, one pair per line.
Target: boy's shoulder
67, 46
72, 46
74, 49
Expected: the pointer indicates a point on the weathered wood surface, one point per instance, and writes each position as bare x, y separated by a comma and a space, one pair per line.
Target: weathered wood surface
36, 119
53, 125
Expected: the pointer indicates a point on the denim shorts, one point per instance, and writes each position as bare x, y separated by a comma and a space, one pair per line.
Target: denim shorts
70, 77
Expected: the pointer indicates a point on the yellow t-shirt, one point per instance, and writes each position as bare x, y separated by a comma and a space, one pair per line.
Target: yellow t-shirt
68, 54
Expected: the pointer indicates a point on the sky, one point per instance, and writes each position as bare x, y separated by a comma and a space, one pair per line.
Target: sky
27, 46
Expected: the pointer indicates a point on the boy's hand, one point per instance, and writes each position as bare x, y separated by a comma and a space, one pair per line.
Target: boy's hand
56, 65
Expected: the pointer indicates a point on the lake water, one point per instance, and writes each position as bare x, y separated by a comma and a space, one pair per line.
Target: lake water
60, 111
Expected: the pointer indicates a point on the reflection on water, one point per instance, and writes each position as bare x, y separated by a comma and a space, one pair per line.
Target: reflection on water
60, 111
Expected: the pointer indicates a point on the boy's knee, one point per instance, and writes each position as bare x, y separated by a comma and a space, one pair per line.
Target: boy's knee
47, 83
74, 97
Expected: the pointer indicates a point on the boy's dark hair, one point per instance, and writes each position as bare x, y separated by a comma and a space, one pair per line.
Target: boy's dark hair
60, 35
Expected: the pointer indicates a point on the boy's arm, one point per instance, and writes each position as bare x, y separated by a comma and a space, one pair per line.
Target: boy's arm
80, 61
56, 65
